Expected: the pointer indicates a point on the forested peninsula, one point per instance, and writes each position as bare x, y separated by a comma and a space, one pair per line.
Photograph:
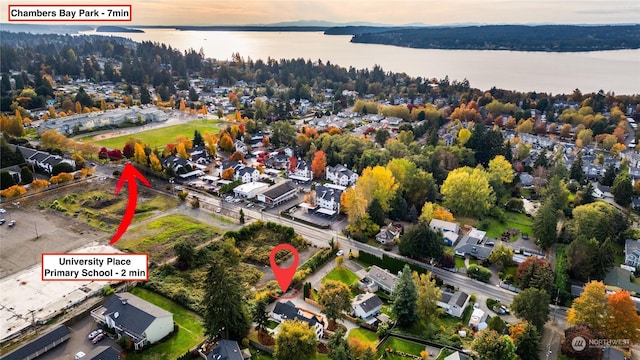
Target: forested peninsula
556, 38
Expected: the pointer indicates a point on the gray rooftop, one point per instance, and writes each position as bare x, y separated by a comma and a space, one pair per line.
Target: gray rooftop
134, 313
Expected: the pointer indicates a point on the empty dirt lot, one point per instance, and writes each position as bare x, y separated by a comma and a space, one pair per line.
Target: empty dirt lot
42, 230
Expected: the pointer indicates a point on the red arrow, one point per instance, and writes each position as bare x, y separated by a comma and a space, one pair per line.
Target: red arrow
129, 174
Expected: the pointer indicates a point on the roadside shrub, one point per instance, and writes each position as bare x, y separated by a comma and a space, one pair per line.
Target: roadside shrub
479, 273
108, 290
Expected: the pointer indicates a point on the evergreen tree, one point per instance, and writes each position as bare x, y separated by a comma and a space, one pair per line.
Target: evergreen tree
145, 96
622, 189
576, 172
26, 175
83, 98
405, 295
197, 139
376, 213
224, 307
260, 315
6, 180
587, 194
609, 176
338, 346
413, 214
545, 224
527, 343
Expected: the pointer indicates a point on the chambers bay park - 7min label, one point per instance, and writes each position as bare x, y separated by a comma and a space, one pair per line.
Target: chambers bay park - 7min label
94, 267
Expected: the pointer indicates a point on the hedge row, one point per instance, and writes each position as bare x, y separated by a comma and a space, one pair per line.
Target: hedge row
392, 264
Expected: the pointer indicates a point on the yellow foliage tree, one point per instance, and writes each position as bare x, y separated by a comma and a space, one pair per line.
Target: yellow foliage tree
463, 136
500, 168
61, 178
182, 151
375, 183
155, 162
38, 184
139, 156
182, 105
467, 191
590, 307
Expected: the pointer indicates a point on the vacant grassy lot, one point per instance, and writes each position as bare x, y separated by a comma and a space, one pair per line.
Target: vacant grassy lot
190, 329
162, 136
159, 236
400, 345
511, 221
366, 336
255, 242
343, 275
103, 210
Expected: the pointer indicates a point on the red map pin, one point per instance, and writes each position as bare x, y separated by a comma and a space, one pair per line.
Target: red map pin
284, 275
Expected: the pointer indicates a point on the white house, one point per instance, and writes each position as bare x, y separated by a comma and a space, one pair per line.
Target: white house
138, 319
477, 319
328, 200
632, 253
240, 146
340, 175
378, 279
449, 230
247, 174
366, 306
302, 172
454, 303
288, 311
600, 191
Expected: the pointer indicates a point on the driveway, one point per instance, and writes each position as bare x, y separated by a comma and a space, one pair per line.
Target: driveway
78, 341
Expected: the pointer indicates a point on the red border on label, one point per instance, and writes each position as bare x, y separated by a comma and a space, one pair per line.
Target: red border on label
92, 254
67, 20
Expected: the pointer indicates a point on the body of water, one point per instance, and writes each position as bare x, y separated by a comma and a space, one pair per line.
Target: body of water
617, 71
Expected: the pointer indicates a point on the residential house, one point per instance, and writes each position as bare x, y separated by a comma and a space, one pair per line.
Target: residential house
240, 147
474, 245
388, 234
449, 230
457, 356
632, 252
199, 155
127, 314
340, 175
366, 306
328, 200
178, 164
278, 194
226, 350
235, 165
601, 192
302, 172
378, 279
288, 311
277, 161
247, 174
454, 303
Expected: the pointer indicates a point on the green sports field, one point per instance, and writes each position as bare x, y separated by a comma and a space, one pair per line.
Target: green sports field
162, 136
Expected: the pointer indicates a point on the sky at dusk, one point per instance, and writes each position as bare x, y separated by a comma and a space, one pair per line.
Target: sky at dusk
393, 12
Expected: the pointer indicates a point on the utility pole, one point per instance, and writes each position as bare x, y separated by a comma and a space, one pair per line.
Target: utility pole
36, 228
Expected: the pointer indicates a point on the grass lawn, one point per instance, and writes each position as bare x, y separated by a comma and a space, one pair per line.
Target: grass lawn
364, 335
619, 254
162, 136
473, 261
400, 345
343, 275
459, 262
190, 332
272, 324
159, 236
511, 221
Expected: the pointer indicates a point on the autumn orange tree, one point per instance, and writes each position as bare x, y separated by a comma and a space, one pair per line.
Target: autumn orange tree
432, 211
375, 183
227, 174
38, 184
622, 320
11, 191
319, 164
154, 162
226, 143
61, 178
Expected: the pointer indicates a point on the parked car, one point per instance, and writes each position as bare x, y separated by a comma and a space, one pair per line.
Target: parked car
12, 223
218, 210
95, 333
2, 211
340, 253
98, 338
2, 221
79, 355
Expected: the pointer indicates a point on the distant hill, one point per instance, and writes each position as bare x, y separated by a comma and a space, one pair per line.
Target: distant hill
556, 38
117, 29
45, 29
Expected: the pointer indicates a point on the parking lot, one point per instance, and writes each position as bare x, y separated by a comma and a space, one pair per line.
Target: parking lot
78, 341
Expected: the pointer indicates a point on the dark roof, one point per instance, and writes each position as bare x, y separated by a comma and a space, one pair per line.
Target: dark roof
53, 160
279, 190
26, 152
40, 156
327, 193
290, 312
576, 290
610, 353
226, 350
371, 303
446, 297
246, 170
38, 344
134, 313
471, 246
462, 298
104, 353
